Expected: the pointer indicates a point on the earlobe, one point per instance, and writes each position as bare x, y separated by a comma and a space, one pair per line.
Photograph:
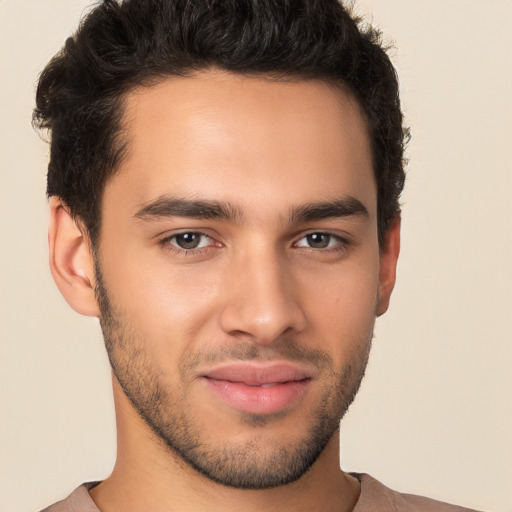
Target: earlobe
71, 260
388, 261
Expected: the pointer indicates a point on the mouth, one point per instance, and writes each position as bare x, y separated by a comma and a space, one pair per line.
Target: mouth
258, 388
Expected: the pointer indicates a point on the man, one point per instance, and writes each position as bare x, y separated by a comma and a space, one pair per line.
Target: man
224, 184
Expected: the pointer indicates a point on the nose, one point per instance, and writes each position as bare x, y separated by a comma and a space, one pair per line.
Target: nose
261, 300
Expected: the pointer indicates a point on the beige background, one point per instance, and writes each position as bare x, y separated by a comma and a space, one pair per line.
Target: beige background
434, 415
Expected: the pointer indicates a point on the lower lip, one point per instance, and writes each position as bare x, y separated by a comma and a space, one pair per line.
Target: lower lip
259, 399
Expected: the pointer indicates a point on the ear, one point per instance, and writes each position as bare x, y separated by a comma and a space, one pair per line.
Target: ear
388, 259
71, 260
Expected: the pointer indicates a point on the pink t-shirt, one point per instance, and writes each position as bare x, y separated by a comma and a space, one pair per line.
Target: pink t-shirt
374, 497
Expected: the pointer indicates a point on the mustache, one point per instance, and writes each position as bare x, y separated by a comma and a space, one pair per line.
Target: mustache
287, 349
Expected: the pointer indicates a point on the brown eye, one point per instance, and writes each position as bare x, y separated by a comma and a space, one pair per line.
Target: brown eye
190, 241
319, 240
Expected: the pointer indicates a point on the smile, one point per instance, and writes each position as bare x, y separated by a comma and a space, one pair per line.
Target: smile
258, 389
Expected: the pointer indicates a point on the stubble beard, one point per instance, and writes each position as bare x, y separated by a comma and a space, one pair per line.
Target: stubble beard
242, 465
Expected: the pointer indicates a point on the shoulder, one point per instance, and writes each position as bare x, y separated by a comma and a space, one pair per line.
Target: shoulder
78, 501
376, 496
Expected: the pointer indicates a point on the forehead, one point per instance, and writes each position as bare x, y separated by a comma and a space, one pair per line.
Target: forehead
246, 140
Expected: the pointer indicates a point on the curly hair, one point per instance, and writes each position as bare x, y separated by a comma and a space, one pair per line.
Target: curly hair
119, 46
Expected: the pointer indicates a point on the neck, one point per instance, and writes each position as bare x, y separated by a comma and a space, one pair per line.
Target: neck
149, 476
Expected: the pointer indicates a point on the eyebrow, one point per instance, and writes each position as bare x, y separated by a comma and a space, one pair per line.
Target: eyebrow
199, 209
165, 206
344, 207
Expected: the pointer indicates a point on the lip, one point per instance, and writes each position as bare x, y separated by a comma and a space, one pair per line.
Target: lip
258, 388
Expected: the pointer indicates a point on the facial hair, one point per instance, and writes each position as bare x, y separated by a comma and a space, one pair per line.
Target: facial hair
169, 414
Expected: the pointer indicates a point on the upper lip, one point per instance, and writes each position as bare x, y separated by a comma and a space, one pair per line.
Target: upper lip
257, 374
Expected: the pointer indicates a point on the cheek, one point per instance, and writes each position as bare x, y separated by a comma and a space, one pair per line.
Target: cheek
167, 306
341, 306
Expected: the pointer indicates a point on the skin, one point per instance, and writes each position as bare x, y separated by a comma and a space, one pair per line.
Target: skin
255, 285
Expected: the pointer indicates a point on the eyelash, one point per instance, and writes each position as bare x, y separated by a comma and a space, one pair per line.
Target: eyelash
341, 243
167, 244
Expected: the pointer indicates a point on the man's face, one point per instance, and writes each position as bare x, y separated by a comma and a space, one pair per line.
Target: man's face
238, 269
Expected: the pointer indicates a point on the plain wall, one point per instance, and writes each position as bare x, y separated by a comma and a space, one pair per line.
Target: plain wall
434, 413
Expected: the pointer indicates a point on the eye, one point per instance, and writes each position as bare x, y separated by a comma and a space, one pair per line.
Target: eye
320, 241
189, 241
